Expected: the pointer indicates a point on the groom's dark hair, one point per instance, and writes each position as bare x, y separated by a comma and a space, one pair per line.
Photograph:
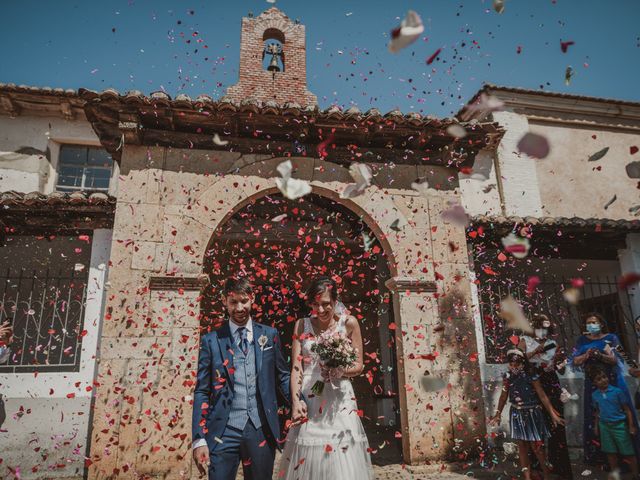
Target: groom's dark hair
237, 285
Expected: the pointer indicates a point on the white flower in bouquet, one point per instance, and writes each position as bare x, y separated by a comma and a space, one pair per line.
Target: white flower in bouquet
334, 350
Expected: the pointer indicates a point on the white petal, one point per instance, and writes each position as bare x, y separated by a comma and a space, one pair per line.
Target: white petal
516, 246
456, 214
422, 187
361, 173
279, 217
571, 295
218, 141
410, 30
285, 169
293, 188
511, 312
456, 130
351, 191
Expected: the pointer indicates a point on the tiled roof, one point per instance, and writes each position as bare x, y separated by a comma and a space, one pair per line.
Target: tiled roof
225, 104
491, 86
35, 213
37, 199
553, 222
567, 106
204, 101
61, 92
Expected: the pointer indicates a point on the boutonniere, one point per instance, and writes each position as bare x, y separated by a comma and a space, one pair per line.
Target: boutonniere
262, 341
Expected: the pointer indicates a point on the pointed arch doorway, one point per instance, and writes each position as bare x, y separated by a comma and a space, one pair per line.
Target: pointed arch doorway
280, 244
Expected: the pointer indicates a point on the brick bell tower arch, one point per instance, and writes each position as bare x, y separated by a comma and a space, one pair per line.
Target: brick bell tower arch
258, 83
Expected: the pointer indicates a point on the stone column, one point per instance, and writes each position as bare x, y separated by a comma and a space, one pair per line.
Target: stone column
142, 416
439, 379
426, 427
436, 341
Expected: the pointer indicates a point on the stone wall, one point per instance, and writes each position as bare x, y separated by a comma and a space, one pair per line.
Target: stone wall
170, 202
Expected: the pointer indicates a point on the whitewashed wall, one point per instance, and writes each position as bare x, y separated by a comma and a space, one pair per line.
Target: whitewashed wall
49, 414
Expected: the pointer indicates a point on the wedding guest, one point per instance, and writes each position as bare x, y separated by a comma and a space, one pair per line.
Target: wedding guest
527, 422
613, 422
547, 360
597, 348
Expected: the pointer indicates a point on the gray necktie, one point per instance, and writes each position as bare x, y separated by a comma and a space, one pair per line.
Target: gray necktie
244, 342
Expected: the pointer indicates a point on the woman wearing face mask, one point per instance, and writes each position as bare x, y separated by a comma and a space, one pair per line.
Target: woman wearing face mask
546, 360
596, 348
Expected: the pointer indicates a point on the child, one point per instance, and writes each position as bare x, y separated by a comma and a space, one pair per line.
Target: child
526, 418
614, 422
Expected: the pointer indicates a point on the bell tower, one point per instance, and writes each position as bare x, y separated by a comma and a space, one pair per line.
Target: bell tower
273, 63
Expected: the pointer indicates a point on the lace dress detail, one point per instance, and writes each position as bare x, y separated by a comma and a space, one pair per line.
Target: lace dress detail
332, 444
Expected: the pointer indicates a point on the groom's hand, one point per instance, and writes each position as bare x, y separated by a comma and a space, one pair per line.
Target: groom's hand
201, 456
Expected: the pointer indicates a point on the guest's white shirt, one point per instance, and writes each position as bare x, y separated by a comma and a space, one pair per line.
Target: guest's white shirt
201, 442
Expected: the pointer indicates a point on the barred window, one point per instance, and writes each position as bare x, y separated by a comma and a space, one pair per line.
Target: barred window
83, 168
43, 284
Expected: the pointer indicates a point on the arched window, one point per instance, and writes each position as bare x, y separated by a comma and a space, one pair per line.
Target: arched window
273, 53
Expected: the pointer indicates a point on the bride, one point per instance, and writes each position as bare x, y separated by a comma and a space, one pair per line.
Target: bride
330, 444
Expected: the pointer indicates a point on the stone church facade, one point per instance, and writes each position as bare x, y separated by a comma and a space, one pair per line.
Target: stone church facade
177, 187
193, 198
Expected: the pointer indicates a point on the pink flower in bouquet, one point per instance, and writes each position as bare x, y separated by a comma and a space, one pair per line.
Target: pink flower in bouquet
334, 350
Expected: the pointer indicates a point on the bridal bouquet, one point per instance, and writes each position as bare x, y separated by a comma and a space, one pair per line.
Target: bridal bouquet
334, 349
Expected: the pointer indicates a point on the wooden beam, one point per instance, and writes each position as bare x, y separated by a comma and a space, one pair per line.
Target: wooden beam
67, 111
10, 106
406, 284
179, 283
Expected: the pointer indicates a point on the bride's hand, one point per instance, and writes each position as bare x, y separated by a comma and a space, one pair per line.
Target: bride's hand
332, 373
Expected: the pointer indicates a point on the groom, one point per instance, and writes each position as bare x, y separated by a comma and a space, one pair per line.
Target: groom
235, 409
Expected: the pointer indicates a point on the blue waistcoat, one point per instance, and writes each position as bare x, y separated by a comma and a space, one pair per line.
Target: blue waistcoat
245, 401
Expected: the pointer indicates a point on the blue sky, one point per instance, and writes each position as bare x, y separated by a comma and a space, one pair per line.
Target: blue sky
153, 45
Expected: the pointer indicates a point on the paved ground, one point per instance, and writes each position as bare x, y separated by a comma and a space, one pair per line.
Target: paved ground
506, 469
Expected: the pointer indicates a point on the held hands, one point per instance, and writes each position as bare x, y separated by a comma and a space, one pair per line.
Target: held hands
298, 411
201, 456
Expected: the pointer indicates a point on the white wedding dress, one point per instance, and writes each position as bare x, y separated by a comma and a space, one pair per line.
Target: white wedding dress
332, 444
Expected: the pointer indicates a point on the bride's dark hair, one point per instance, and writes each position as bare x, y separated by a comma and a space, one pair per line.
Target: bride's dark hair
320, 285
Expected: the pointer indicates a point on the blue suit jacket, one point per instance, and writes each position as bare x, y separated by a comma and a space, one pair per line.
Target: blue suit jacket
214, 386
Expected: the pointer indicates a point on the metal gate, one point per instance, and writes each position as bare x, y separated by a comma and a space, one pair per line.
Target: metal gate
46, 309
598, 294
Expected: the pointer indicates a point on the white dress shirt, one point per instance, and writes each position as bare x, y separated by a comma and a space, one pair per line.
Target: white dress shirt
201, 442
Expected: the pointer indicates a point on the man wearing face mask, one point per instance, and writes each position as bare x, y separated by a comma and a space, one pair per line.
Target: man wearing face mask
547, 360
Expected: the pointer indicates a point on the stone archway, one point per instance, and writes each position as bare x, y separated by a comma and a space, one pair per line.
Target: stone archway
314, 235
